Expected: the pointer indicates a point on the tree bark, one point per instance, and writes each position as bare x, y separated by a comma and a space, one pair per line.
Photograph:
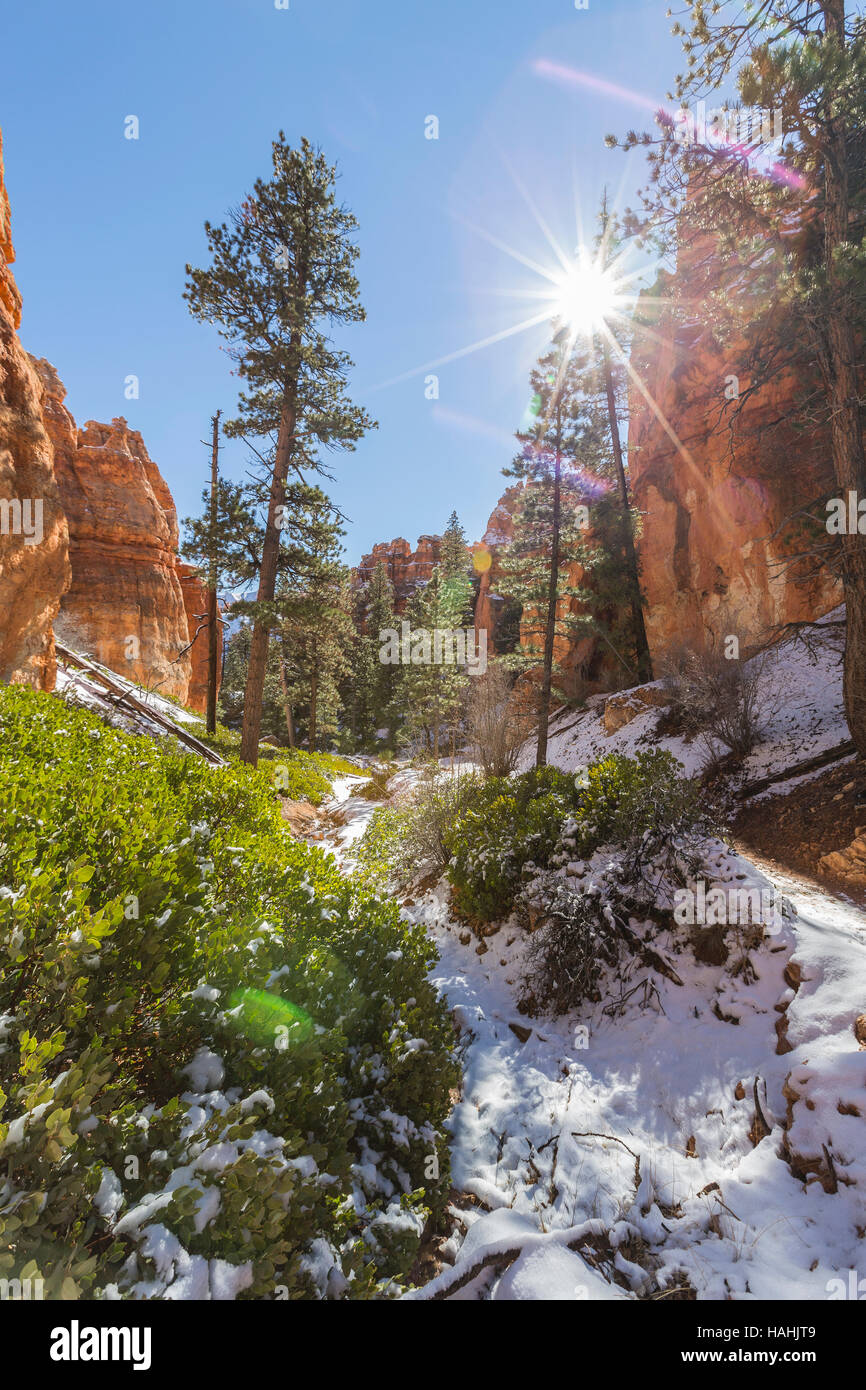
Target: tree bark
846, 426
258, 660
314, 696
552, 595
212, 613
644, 660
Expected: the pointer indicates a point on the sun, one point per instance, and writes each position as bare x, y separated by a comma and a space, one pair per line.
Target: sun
587, 295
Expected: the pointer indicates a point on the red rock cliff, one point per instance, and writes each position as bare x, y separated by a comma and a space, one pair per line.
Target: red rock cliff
405, 567
125, 604
715, 493
34, 542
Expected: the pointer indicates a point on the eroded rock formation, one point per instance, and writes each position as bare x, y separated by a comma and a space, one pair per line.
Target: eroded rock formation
717, 490
125, 604
34, 542
406, 568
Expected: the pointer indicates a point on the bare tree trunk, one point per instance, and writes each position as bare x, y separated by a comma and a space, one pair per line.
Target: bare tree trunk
846, 427
290, 723
644, 660
552, 595
314, 697
212, 614
258, 660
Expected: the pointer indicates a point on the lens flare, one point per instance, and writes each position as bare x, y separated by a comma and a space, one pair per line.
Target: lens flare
587, 295
269, 1021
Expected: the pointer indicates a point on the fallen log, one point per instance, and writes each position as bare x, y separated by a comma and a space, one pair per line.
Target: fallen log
126, 697
830, 755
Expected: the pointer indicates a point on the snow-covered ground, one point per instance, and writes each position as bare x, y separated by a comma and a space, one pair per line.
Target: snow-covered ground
800, 701
678, 1187
627, 1136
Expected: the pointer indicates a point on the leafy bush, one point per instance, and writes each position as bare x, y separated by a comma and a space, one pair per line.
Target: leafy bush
302, 776
508, 823
546, 817
223, 1068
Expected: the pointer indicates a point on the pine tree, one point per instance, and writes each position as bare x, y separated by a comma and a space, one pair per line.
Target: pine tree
315, 635
281, 274
571, 563
454, 562
369, 688
548, 523
433, 691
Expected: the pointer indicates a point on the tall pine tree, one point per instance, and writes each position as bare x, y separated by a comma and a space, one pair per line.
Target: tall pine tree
282, 273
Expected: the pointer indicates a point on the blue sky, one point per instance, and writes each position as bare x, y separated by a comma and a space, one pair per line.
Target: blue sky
103, 226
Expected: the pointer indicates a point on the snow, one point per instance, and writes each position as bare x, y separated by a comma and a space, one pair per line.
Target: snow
801, 695
205, 1071
617, 1139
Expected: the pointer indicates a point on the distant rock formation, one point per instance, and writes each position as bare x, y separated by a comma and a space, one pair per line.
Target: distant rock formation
406, 568
125, 604
34, 541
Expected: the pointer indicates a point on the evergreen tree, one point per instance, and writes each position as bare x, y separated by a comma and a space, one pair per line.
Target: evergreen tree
231, 695
315, 637
454, 562
281, 274
433, 691
370, 689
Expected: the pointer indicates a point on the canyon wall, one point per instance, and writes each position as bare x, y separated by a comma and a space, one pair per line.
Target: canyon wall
34, 542
716, 491
125, 604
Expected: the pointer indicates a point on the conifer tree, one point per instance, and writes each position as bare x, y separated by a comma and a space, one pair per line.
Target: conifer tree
433, 691
551, 513
374, 683
315, 635
454, 562
281, 276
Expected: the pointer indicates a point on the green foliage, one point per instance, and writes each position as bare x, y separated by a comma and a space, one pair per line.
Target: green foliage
509, 822
432, 692
149, 906
371, 696
382, 853
545, 817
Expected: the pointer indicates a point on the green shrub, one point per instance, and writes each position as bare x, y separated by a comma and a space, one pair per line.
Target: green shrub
382, 852
412, 838
547, 817
156, 916
508, 822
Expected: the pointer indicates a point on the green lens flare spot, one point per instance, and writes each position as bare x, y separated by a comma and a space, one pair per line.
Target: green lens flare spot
269, 1021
